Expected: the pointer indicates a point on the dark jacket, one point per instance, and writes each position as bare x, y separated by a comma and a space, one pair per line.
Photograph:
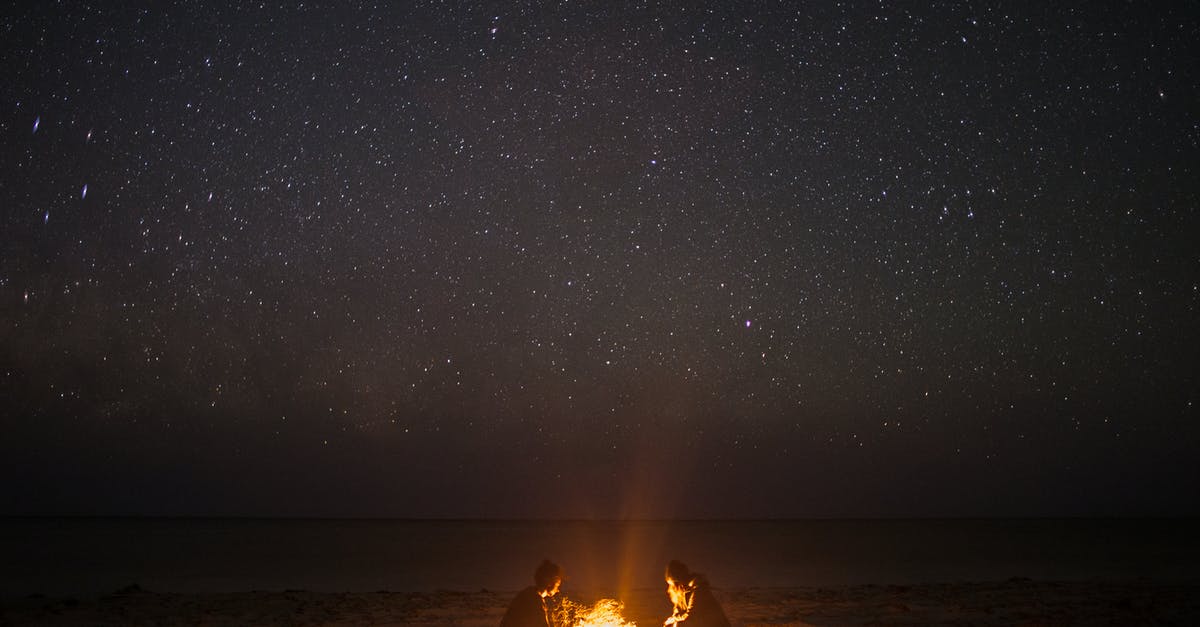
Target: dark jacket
703, 608
527, 609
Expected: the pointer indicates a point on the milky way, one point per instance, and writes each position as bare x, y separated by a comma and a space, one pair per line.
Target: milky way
599, 260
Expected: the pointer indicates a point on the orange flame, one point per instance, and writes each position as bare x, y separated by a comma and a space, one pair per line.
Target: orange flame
605, 613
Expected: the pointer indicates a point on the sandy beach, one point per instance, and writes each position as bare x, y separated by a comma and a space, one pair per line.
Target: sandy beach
1015, 602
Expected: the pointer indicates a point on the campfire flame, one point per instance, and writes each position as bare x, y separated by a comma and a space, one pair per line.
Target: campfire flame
605, 613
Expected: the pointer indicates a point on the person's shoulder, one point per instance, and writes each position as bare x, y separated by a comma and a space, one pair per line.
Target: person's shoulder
526, 593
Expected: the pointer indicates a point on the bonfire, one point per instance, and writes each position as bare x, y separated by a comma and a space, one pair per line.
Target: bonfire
605, 613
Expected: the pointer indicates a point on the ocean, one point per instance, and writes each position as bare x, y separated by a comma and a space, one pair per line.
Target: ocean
88, 557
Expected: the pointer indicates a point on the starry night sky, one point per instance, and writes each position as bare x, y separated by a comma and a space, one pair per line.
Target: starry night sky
597, 259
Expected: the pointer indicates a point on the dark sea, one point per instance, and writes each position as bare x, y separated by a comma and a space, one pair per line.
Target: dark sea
94, 556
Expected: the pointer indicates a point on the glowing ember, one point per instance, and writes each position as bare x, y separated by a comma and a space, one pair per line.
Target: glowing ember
605, 613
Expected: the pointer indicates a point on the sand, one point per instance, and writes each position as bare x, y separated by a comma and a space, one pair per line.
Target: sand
1016, 602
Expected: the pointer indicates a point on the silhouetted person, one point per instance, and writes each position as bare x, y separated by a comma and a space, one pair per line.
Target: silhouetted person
693, 601
528, 608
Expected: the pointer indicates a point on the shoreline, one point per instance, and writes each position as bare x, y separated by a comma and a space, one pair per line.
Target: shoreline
1016, 601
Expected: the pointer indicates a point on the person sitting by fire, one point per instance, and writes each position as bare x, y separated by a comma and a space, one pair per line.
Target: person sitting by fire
692, 599
528, 608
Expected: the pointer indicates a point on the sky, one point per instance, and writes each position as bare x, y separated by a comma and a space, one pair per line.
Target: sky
599, 259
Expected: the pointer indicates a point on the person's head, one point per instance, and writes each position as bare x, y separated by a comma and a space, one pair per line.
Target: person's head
547, 578
678, 571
